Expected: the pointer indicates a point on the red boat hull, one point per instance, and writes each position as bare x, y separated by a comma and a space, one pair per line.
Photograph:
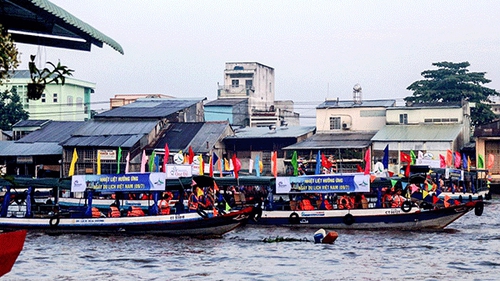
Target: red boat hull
11, 245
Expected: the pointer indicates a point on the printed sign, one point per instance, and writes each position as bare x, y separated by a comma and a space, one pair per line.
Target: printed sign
107, 154
178, 171
121, 182
323, 183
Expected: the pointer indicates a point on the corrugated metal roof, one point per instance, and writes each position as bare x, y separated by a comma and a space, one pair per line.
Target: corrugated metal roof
114, 128
334, 141
10, 148
55, 131
30, 123
210, 133
178, 136
148, 108
265, 132
124, 141
35, 17
432, 132
351, 104
225, 102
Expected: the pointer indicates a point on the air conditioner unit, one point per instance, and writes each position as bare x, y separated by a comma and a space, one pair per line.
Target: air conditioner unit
346, 125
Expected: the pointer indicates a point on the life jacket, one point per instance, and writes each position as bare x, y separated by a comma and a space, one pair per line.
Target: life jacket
387, 200
193, 202
96, 213
327, 204
398, 201
114, 212
305, 204
135, 212
344, 203
164, 207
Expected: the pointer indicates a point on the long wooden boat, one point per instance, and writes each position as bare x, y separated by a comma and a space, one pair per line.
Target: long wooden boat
370, 219
202, 225
285, 193
50, 217
12, 243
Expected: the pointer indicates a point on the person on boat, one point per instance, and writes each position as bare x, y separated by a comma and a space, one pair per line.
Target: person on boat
209, 198
344, 202
387, 198
164, 204
194, 200
398, 199
114, 212
305, 204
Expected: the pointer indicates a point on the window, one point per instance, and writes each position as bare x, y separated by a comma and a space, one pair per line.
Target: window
43, 98
54, 97
403, 118
335, 123
70, 100
235, 83
248, 84
79, 102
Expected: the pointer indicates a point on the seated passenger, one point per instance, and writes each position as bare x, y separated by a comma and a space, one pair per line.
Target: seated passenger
135, 212
305, 204
344, 202
387, 199
398, 199
164, 205
96, 213
114, 212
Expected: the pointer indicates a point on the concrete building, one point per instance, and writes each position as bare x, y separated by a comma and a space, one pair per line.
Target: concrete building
68, 102
253, 82
432, 128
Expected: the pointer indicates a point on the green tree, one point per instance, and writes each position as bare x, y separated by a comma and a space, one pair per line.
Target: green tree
452, 82
11, 110
8, 54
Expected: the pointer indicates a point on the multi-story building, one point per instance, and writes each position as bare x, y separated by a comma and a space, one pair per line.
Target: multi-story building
68, 102
253, 82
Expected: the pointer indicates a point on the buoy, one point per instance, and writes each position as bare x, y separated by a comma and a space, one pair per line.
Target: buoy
330, 237
321, 236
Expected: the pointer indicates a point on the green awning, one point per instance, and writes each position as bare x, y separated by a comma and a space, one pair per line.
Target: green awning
40, 22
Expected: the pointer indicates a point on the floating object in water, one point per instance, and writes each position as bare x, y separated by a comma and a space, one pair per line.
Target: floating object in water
321, 236
283, 239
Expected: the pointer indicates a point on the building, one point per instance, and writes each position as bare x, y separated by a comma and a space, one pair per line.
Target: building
68, 102
433, 128
124, 99
254, 82
234, 110
344, 129
250, 142
37, 154
487, 139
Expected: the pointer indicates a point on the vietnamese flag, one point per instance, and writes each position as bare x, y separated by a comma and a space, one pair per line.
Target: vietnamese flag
325, 162
405, 157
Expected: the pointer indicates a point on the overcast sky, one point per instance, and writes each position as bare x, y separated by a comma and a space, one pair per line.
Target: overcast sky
319, 49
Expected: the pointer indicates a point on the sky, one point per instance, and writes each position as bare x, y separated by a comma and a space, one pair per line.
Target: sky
318, 49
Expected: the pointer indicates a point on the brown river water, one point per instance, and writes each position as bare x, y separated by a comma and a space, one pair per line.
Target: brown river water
468, 249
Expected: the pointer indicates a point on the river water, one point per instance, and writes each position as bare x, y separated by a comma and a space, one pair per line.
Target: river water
468, 249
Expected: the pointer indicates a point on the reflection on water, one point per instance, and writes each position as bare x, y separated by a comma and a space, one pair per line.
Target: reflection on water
467, 250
